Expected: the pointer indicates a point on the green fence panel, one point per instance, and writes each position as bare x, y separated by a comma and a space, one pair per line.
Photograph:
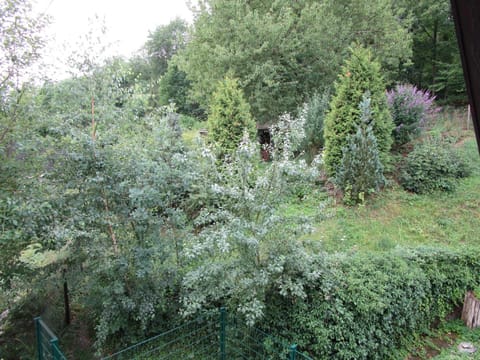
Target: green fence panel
47, 342
196, 339
223, 337
297, 355
204, 338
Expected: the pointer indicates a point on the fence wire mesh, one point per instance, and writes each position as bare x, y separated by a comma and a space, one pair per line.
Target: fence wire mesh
196, 339
215, 336
47, 342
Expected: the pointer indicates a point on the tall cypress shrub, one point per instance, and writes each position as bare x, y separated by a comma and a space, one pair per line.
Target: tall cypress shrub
229, 117
360, 171
360, 73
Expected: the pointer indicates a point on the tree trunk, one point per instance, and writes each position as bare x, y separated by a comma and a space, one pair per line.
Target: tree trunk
471, 310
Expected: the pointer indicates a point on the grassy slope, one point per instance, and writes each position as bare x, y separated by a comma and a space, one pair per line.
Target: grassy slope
396, 217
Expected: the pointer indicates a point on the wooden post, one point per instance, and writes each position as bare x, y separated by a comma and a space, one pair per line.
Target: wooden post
471, 310
469, 117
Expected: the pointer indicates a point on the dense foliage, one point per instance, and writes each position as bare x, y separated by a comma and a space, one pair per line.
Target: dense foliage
164, 43
368, 306
433, 165
242, 249
173, 88
99, 191
22, 41
159, 49
276, 76
229, 117
436, 58
410, 108
314, 111
360, 172
360, 73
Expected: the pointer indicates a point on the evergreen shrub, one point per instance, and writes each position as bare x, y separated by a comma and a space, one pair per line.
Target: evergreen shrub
360, 73
373, 305
433, 165
360, 171
229, 117
314, 112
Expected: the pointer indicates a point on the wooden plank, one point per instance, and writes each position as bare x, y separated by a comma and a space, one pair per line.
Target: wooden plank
471, 310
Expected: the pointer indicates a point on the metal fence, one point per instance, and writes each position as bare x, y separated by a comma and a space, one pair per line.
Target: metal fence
215, 336
196, 339
47, 342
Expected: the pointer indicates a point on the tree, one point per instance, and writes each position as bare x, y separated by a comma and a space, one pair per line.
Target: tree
20, 46
229, 117
173, 88
360, 172
164, 43
380, 25
436, 58
22, 40
242, 248
108, 208
276, 76
360, 73
93, 201
314, 112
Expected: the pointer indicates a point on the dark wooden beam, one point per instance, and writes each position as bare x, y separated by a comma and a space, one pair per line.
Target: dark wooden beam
466, 14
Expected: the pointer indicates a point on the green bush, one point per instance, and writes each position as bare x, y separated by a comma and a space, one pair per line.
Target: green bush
243, 244
229, 117
314, 113
370, 306
433, 166
360, 73
189, 123
360, 171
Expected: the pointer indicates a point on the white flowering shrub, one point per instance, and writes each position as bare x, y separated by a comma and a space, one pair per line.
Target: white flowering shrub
243, 245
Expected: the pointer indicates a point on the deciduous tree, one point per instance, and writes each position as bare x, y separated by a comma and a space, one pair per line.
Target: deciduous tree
280, 50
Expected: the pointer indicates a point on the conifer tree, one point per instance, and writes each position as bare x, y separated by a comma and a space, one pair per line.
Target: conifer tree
360, 171
229, 117
360, 73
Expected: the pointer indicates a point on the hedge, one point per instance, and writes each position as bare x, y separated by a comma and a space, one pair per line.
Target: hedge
371, 305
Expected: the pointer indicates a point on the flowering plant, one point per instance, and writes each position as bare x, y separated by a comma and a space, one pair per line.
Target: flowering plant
410, 108
244, 246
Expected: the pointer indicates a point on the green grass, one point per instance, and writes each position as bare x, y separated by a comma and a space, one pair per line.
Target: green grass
312, 205
191, 129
